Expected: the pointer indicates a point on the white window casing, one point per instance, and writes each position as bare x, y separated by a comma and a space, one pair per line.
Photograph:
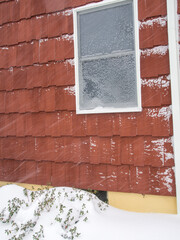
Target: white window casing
107, 57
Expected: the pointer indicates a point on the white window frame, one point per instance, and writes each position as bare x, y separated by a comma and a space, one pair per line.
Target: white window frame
137, 54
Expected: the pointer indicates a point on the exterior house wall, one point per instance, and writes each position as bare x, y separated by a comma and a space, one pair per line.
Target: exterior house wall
43, 141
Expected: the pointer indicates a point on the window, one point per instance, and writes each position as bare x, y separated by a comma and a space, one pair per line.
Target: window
107, 57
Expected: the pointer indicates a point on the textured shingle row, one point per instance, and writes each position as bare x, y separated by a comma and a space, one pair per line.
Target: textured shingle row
115, 150
36, 28
125, 178
26, 54
12, 11
52, 74
151, 121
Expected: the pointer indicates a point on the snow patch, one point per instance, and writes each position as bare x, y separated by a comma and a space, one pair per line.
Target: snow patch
70, 90
68, 37
158, 145
68, 12
39, 17
92, 143
70, 61
164, 112
167, 179
151, 82
42, 40
10, 69
162, 21
160, 50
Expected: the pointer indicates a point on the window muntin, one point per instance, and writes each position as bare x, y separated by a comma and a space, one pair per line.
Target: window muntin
106, 58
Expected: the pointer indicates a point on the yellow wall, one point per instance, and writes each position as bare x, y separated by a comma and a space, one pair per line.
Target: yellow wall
143, 203
25, 185
127, 201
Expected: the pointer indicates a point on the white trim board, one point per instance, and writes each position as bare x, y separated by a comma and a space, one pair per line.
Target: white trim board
175, 87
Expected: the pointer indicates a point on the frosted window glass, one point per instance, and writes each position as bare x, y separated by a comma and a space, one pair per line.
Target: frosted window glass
105, 58
107, 30
109, 82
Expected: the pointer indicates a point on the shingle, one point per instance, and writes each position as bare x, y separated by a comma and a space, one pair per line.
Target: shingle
116, 121
30, 147
4, 52
128, 125
31, 171
151, 94
153, 33
144, 122
161, 121
66, 123
85, 176
92, 124
75, 150
54, 24
85, 150
20, 125
115, 158
72, 175
99, 174
44, 173
79, 125
112, 173
38, 124
22, 31
58, 174
127, 154
138, 151
123, 182
8, 79
151, 8
24, 54
94, 150
19, 78
105, 125
25, 8
15, 11
11, 102
104, 150
38, 7
139, 179
154, 64
3, 101
48, 99
54, 5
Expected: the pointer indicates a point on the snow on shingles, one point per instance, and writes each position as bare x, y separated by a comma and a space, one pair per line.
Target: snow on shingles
160, 50
67, 12
69, 61
68, 37
108, 224
158, 82
165, 113
167, 179
161, 21
70, 90
158, 146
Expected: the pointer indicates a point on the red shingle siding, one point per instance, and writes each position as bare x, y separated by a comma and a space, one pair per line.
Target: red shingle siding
43, 141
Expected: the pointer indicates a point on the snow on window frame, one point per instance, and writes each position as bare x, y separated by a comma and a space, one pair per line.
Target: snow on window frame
107, 5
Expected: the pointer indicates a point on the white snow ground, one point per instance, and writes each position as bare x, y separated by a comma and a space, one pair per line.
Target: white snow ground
66, 213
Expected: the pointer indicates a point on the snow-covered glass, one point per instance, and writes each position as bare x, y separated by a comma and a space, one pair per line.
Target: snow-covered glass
106, 58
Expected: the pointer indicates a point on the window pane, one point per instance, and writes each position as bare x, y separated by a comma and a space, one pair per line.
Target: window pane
109, 82
107, 30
